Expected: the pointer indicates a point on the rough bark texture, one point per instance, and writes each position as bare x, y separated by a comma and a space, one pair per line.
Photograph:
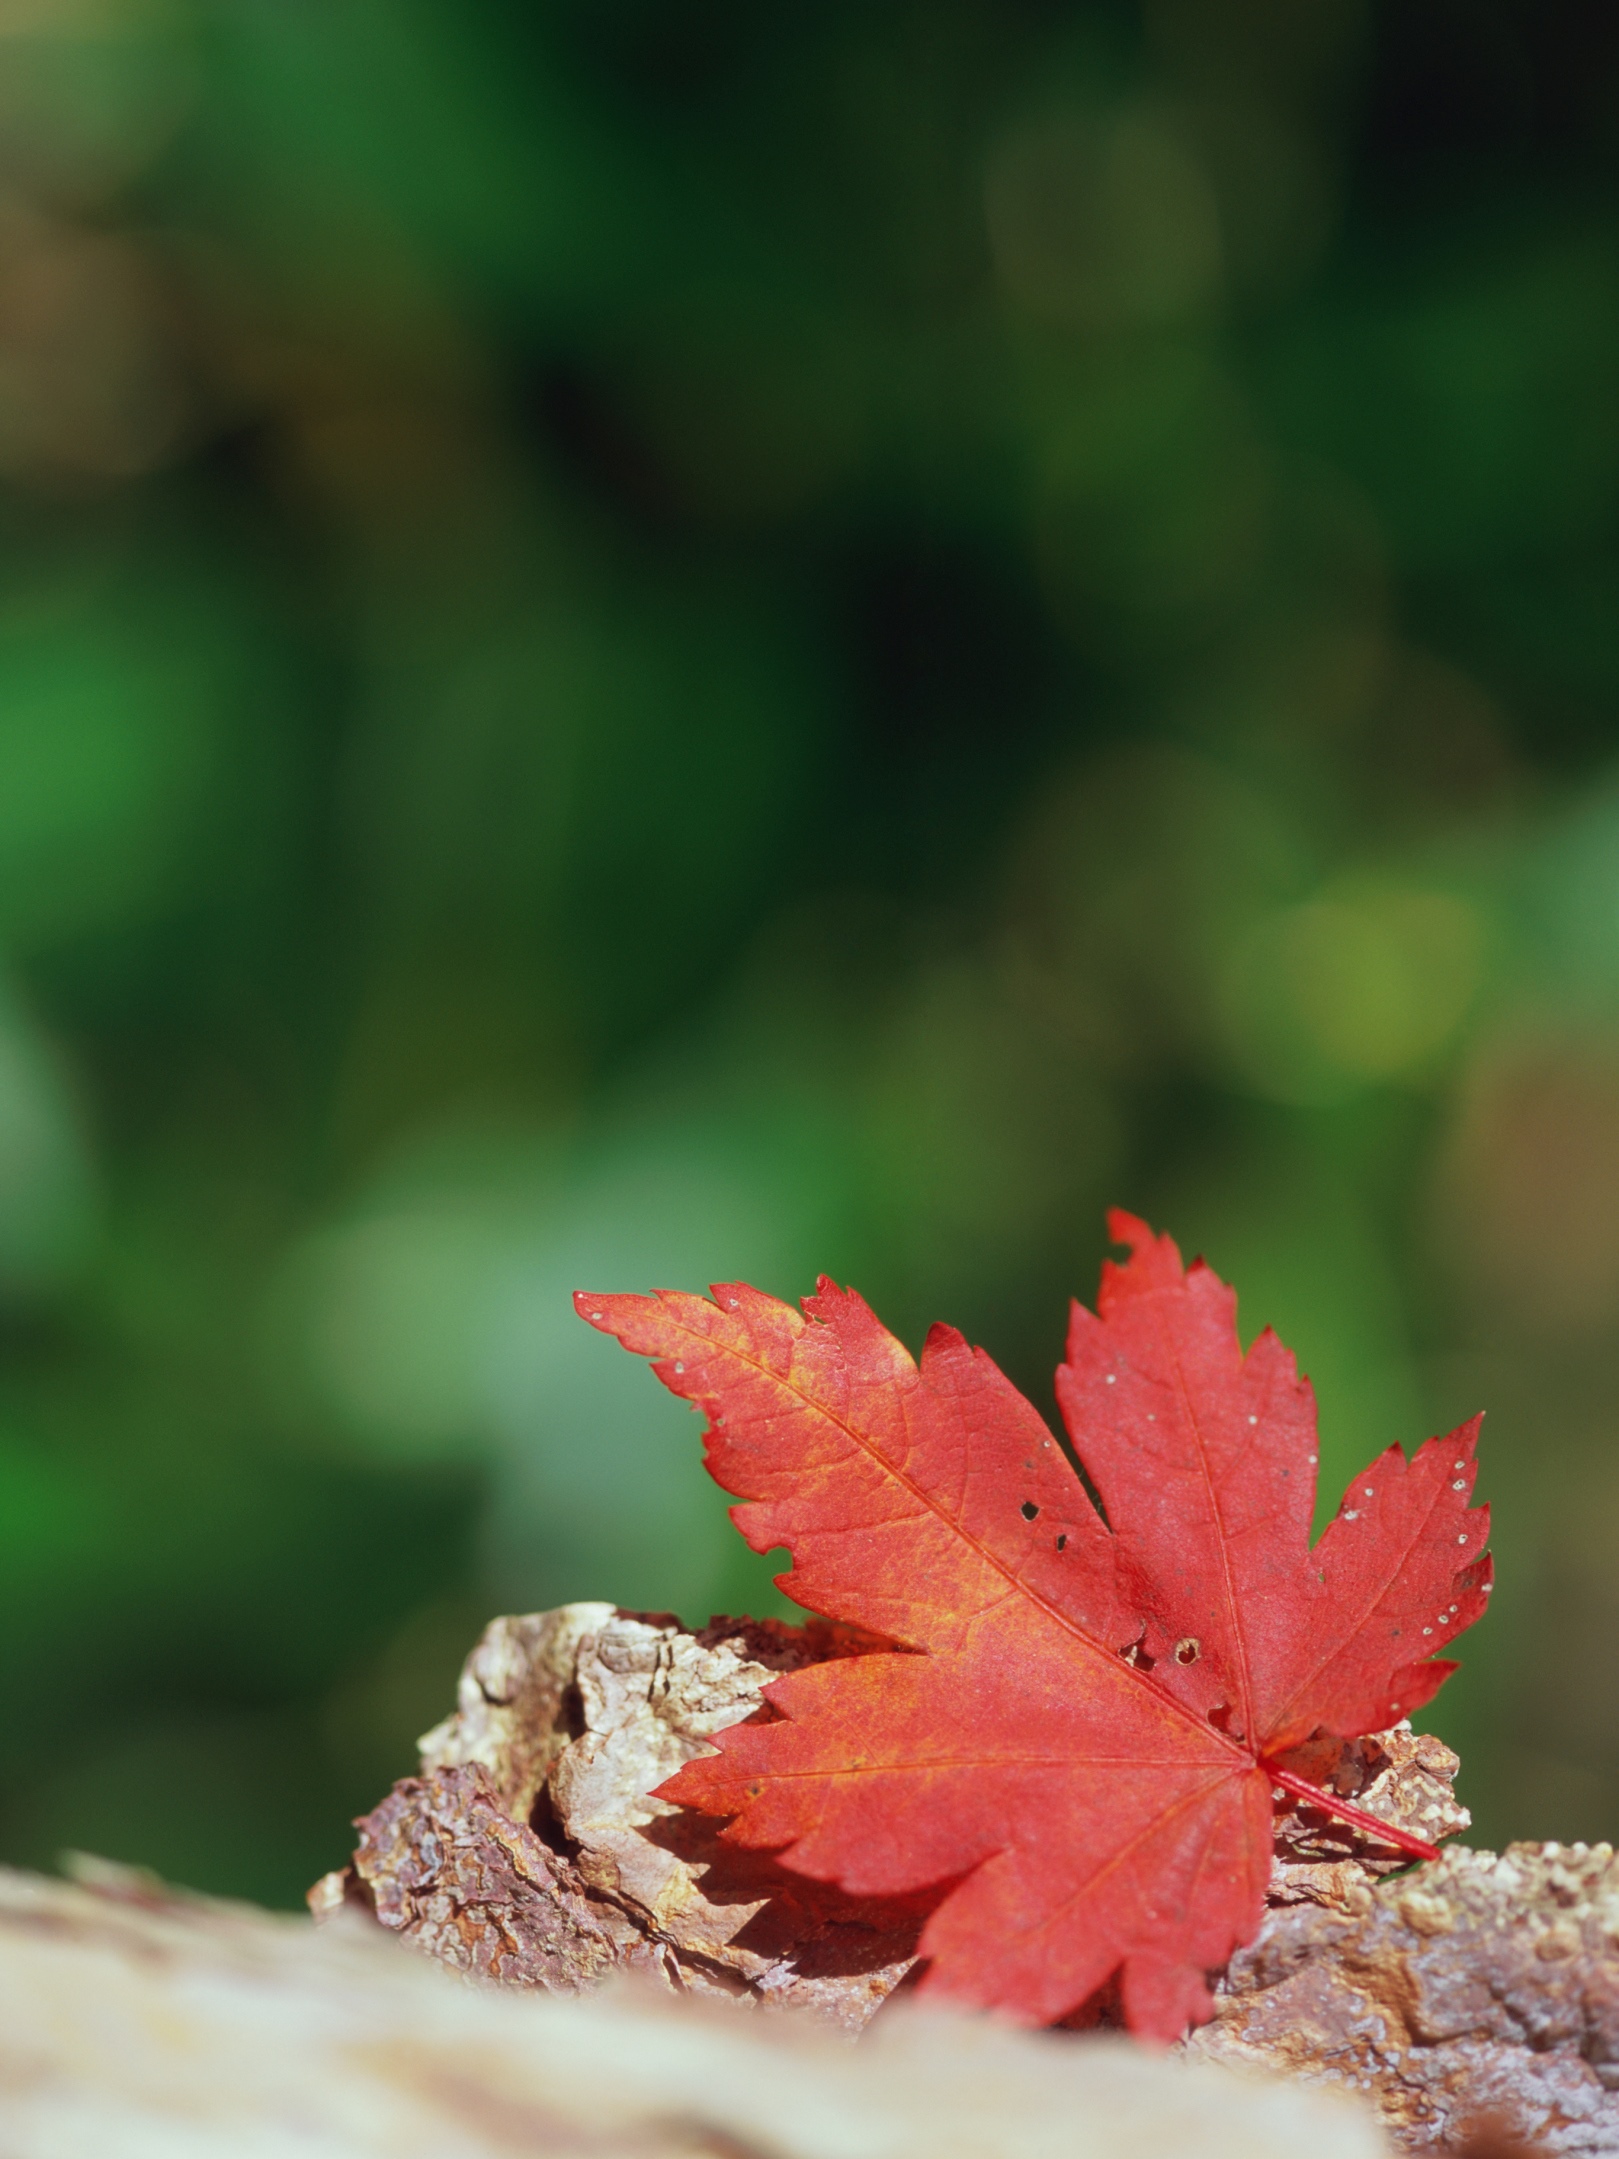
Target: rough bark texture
1475, 1998
1477, 1988
528, 1850
138, 2024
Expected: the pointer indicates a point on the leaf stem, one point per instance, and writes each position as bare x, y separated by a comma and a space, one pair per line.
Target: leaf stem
1368, 1824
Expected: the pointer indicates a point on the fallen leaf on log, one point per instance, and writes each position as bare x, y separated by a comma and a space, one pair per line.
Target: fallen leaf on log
1474, 1991
136, 2023
1094, 1669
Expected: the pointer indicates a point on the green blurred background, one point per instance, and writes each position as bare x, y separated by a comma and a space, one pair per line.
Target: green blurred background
647, 642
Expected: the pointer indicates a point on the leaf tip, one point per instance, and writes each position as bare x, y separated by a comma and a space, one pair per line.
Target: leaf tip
1126, 1228
1154, 1262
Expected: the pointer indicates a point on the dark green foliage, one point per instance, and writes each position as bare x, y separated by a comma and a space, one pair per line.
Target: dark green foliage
640, 643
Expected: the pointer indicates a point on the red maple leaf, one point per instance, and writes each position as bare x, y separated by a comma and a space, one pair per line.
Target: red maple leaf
1074, 1738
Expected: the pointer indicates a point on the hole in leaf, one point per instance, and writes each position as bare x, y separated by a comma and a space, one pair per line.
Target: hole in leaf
1029, 1510
1188, 1649
1062, 1542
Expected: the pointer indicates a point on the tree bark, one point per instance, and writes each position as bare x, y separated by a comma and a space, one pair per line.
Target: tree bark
1473, 1998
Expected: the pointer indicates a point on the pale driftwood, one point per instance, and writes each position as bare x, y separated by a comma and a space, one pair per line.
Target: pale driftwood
137, 2024
1476, 1994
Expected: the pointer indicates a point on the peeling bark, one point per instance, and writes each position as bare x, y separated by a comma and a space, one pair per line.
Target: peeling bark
1472, 1998
564, 1869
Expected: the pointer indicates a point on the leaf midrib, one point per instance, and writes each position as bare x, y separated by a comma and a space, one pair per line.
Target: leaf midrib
1144, 1680
1233, 1603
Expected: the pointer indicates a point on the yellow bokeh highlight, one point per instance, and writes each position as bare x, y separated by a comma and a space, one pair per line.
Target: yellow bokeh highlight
1365, 982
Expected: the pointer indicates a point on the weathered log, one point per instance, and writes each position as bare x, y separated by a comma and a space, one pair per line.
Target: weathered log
566, 1720
139, 2024
1476, 1988
1476, 1995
